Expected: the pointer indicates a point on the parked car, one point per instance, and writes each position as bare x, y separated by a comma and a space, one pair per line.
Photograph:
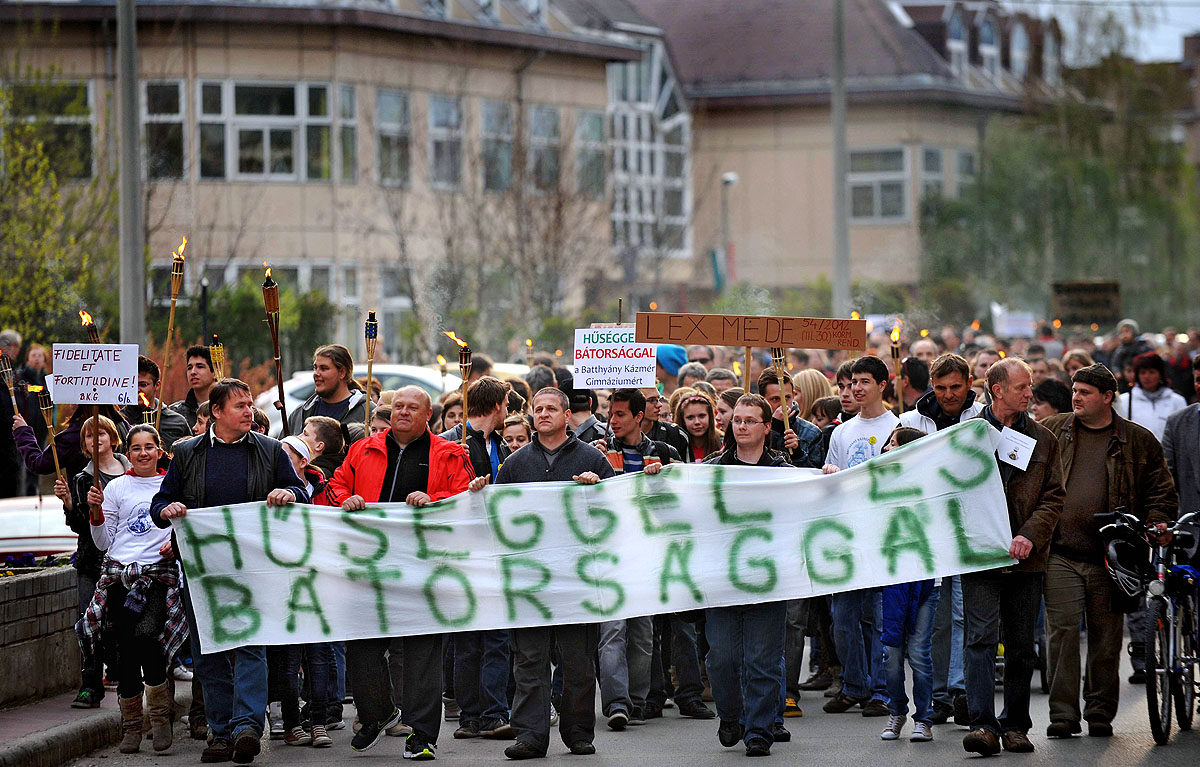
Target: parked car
300, 387
33, 524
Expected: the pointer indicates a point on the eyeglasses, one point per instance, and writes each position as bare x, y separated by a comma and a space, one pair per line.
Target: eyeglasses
745, 421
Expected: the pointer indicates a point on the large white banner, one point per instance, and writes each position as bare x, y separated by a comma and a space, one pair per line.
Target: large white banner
552, 553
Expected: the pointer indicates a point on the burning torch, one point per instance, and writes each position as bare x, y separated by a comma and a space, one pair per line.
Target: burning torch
148, 413
270, 290
371, 334
97, 516
529, 352
47, 408
777, 359
176, 283
6, 372
896, 363
464, 370
216, 351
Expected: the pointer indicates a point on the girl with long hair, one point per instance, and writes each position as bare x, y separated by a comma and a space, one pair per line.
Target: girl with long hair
697, 415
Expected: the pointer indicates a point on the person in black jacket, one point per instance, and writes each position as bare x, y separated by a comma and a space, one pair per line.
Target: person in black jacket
174, 426
746, 642
583, 415
226, 465
554, 455
658, 428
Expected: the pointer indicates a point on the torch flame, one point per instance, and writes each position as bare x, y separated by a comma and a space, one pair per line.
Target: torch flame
528, 343
35, 388
441, 360
142, 398
924, 332
896, 332
178, 254
737, 368
855, 315
85, 317
450, 334
975, 325
268, 270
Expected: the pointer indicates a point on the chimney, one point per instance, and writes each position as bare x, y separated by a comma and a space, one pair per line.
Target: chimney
1191, 50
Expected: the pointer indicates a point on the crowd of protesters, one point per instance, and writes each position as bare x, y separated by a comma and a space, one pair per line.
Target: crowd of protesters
1108, 422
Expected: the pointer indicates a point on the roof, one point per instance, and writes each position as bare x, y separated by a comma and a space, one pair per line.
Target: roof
372, 14
732, 52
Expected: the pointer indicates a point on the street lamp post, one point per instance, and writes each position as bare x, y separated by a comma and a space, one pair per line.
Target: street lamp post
204, 307
727, 180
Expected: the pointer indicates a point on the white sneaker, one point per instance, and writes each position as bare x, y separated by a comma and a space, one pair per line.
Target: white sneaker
553, 715
894, 726
922, 732
275, 721
182, 673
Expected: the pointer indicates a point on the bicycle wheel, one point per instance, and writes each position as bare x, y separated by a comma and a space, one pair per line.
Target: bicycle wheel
1158, 670
1185, 678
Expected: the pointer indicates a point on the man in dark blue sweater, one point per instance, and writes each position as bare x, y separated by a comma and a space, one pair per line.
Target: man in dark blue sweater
227, 465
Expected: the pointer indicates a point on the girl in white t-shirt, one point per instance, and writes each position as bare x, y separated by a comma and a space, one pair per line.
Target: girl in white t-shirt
137, 596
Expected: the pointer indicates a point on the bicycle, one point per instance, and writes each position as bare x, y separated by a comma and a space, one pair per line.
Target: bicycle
1171, 588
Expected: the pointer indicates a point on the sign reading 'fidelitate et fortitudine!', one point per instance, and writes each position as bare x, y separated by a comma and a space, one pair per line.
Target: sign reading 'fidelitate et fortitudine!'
743, 330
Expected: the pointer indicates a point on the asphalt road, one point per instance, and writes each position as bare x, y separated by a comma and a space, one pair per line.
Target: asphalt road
830, 740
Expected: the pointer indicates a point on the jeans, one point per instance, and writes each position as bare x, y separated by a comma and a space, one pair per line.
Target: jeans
91, 665
317, 660
948, 643
917, 650
626, 649
682, 652
481, 675
856, 622
1138, 623
1081, 591
234, 684
793, 653
531, 654
995, 603
421, 698
745, 664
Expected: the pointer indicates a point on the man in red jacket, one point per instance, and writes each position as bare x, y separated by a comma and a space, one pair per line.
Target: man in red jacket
406, 464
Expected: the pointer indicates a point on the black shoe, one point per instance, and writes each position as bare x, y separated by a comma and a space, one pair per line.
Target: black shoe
981, 741
1062, 728
696, 710
962, 717
523, 750
941, 713
1137, 677
417, 749
780, 733
637, 717
729, 733
841, 703
1099, 729
497, 729
220, 750
467, 729
372, 733
758, 747
618, 720
652, 711
583, 748
86, 699
875, 707
246, 745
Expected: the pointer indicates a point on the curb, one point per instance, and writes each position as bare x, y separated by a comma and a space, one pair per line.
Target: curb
62, 743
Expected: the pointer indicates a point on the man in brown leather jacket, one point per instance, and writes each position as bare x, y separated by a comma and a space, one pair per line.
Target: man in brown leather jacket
1108, 462
1008, 599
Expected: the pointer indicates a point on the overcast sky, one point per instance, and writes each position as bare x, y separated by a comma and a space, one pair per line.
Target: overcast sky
1163, 40
1160, 36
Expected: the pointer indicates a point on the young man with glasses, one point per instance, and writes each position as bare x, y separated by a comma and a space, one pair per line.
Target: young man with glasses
745, 655
659, 430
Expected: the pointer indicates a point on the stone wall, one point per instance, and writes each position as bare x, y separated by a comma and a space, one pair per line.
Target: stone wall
39, 655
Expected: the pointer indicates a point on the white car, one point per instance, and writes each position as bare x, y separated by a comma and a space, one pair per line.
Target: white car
34, 525
300, 387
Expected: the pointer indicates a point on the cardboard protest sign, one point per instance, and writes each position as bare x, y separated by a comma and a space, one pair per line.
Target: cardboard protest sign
551, 553
1082, 303
95, 374
741, 330
609, 358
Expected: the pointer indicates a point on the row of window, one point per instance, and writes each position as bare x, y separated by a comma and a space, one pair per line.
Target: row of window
989, 49
877, 181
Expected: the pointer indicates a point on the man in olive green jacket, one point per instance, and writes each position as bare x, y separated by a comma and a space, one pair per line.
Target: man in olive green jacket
1108, 462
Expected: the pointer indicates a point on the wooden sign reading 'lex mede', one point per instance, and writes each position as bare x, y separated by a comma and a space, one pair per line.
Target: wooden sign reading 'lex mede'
741, 330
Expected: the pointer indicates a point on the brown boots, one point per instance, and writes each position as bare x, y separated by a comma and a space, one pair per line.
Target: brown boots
158, 701
131, 724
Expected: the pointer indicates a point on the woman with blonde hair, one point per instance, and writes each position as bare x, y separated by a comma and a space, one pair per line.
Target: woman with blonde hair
810, 385
696, 413
1075, 359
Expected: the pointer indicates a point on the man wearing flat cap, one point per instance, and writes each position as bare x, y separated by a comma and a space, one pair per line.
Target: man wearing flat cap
1108, 462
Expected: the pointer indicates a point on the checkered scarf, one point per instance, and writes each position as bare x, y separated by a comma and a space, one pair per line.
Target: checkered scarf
137, 579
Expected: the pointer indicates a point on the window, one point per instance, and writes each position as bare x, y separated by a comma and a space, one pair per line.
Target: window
318, 280
252, 131
349, 282
967, 172
932, 174
534, 7
62, 113
497, 136
158, 285
348, 133
488, 7
877, 179
393, 136
543, 147
589, 154
436, 7
989, 48
215, 276
1019, 51
162, 116
956, 45
445, 141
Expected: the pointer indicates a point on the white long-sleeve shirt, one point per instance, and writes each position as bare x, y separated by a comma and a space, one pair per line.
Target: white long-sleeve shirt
128, 532
1150, 410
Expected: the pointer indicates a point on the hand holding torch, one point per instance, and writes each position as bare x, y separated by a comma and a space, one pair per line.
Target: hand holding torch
781, 371
97, 515
47, 408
